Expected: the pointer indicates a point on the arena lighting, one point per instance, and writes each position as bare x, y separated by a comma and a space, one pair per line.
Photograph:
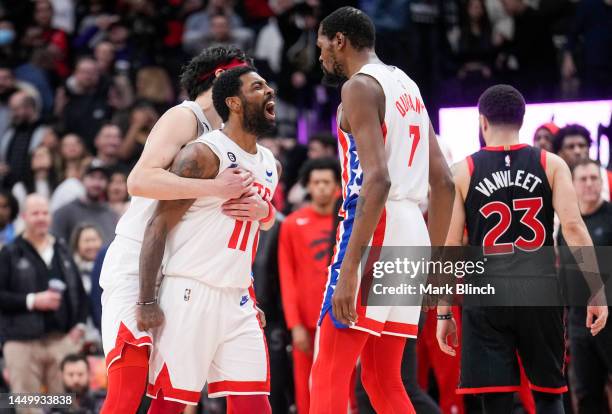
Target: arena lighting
459, 126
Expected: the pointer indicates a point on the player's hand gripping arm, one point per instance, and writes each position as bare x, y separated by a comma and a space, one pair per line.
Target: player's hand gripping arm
363, 107
578, 239
150, 179
193, 161
251, 206
448, 327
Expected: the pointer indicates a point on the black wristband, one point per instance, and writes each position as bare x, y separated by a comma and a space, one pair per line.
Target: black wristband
445, 317
153, 302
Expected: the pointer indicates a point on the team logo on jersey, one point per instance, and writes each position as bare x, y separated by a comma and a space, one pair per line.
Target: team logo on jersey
269, 173
187, 295
507, 160
231, 156
244, 300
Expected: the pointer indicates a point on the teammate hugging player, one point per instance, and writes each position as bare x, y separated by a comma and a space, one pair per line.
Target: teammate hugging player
512, 219
389, 154
125, 346
211, 333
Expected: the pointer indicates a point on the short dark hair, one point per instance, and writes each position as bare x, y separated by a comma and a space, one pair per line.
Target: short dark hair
72, 358
309, 166
194, 75
585, 162
76, 234
572, 129
352, 23
502, 105
228, 84
326, 139
12, 202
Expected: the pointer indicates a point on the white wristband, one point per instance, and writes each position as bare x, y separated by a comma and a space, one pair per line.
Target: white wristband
30, 299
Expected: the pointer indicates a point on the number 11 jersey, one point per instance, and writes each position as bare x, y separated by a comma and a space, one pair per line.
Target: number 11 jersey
206, 244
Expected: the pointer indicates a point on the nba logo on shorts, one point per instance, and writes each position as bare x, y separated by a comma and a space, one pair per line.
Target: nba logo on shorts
231, 156
187, 294
507, 160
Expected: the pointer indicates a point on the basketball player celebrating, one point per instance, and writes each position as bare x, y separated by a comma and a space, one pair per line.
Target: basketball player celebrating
211, 331
389, 153
125, 346
512, 222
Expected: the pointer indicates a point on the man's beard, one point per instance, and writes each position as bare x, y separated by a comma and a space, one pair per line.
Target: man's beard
254, 120
334, 78
78, 390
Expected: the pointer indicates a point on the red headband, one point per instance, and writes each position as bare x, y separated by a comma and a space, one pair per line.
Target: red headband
234, 63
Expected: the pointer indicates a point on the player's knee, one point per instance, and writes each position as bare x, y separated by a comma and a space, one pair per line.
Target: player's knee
246, 404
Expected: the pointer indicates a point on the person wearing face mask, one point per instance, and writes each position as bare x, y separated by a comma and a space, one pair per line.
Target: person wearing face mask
7, 41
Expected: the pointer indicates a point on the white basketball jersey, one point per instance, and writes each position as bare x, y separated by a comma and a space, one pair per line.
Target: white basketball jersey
133, 222
206, 244
406, 138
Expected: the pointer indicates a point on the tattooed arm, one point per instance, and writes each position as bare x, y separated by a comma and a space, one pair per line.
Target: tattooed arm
363, 104
194, 161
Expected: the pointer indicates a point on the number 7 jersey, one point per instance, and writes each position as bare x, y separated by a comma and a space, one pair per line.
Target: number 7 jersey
406, 139
206, 244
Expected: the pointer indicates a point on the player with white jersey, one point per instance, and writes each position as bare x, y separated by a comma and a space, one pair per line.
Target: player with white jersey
125, 346
210, 331
389, 157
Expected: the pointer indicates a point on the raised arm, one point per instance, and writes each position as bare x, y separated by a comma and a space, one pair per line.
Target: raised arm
363, 106
150, 177
195, 161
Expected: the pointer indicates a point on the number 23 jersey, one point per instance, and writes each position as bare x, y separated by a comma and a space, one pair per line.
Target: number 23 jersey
208, 245
509, 210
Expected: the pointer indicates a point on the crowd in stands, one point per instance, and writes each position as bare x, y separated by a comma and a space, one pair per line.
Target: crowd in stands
82, 83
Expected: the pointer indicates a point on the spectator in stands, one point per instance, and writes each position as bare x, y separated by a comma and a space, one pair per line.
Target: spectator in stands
320, 145
85, 244
85, 100
42, 303
107, 143
7, 42
142, 119
92, 208
593, 23
55, 40
572, 143
40, 178
7, 88
75, 379
476, 52
104, 54
198, 25
154, 86
303, 257
533, 47
74, 157
117, 193
25, 134
9, 210
591, 362
544, 136
36, 71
